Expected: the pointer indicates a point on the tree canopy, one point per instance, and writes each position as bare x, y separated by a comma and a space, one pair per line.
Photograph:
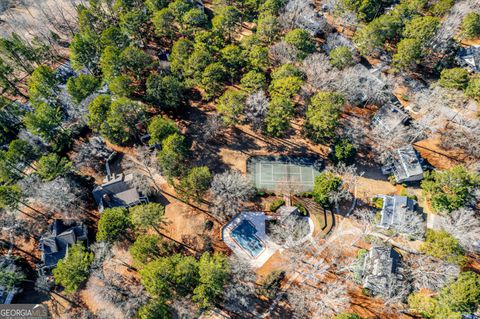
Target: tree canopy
324, 184
160, 128
323, 113
459, 297
51, 166
196, 183
147, 215
442, 245
112, 224
450, 189
73, 270
81, 86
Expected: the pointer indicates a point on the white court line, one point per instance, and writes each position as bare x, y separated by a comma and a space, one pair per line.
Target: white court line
260, 175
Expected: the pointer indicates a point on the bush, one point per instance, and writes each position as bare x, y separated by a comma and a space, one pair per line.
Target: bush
301, 209
473, 88
392, 179
409, 54
471, 25
148, 247
361, 253
51, 166
253, 81
366, 292
276, 204
341, 57
377, 202
208, 225
323, 114
460, 296
456, 78
302, 41
166, 92
171, 158
270, 285
346, 315
441, 7
121, 86
160, 128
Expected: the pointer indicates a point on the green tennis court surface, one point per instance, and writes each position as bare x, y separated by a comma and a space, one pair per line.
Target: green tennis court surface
274, 174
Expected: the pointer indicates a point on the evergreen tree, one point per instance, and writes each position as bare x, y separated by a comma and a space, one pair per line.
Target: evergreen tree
73, 270
113, 224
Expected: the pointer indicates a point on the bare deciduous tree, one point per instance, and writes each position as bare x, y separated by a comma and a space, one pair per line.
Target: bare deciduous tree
412, 224
319, 72
349, 176
464, 137
430, 273
281, 53
339, 11
121, 293
334, 40
184, 308
143, 184
214, 126
289, 228
240, 292
62, 195
324, 301
450, 26
464, 225
302, 14
366, 218
92, 154
256, 109
361, 87
101, 251
229, 190
76, 313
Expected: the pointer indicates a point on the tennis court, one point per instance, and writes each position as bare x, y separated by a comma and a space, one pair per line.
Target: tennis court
273, 174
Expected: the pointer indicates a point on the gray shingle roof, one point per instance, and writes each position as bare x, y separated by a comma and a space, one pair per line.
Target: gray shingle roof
380, 269
54, 243
470, 57
116, 192
405, 164
395, 210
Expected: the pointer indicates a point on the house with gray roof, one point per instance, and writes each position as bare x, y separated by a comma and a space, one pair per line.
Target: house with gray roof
405, 164
116, 191
398, 212
389, 117
55, 242
380, 270
469, 57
